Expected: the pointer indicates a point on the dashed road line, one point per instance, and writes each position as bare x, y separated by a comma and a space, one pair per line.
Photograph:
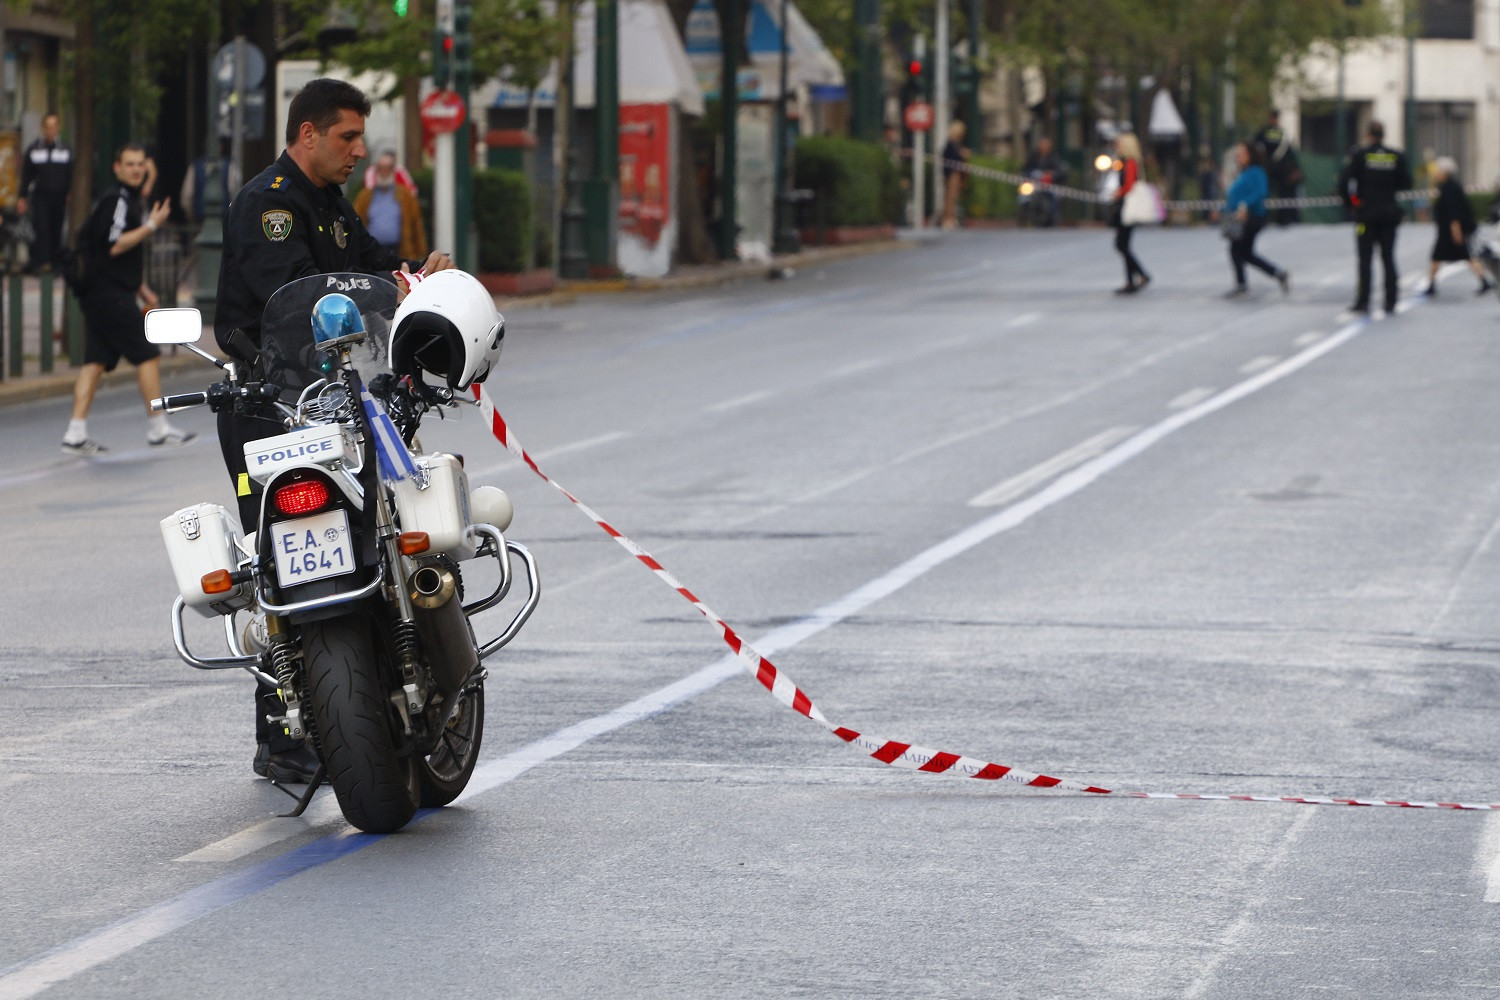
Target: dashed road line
1025, 482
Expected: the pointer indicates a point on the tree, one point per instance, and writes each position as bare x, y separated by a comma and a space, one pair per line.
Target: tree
120, 51
517, 39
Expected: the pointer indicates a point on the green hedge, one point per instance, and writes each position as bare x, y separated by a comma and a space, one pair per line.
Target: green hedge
986, 198
855, 183
502, 214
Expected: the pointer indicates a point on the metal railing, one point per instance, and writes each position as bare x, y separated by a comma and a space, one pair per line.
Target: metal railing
42, 322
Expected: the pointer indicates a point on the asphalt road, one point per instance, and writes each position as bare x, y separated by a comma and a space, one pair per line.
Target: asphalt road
968, 499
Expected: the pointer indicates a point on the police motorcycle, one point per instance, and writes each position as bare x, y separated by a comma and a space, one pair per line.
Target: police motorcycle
348, 594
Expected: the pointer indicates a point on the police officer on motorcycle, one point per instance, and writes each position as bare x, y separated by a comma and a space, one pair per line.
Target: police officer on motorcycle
290, 221
1371, 177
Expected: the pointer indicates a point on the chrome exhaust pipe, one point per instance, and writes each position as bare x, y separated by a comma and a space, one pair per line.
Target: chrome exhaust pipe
444, 628
431, 587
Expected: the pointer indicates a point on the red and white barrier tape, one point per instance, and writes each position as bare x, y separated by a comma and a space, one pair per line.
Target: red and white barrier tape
1191, 205
892, 752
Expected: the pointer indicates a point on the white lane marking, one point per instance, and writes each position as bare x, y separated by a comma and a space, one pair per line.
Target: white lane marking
1489, 854
1025, 319
1259, 364
31, 976
1230, 939
860, 367
562, 449
1332, 279
1053, 467
1191, 398
1310, 337
593, 442
739, 401
264, 834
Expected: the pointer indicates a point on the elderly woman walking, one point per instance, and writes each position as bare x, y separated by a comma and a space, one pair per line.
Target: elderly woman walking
1455, 224
1245, 217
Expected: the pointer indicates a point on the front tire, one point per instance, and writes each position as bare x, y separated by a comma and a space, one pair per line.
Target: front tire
377, 786
446, 770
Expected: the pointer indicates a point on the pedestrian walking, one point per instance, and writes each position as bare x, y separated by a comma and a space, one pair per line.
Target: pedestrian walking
391, 212
1455, 224
46, 178
1245, 216
1371, 178
954, 156
112, 240
1283, 169
1128, 156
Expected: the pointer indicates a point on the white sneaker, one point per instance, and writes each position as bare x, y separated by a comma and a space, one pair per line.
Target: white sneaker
86, 447
173, 438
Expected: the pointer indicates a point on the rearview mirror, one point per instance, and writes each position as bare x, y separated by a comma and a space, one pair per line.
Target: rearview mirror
174, 326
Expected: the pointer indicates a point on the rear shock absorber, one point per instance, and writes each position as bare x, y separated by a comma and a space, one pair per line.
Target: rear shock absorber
284, 656
408, 648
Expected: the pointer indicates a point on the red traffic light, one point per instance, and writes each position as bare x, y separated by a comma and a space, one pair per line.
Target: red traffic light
914, 68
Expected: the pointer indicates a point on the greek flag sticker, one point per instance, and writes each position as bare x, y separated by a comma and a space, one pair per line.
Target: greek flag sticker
390, 450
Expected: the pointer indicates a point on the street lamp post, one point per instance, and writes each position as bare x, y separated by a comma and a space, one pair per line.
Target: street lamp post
785, 239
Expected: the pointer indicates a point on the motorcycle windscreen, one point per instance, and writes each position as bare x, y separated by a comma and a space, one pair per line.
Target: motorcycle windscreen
290, 356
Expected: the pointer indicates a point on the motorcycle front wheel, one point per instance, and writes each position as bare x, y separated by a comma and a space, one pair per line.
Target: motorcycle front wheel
377, 786
446, 770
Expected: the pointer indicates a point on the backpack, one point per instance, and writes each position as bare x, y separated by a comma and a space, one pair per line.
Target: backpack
75, 259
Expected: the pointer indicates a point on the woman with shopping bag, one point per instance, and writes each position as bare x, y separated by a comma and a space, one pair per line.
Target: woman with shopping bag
1243, 218
1134, 204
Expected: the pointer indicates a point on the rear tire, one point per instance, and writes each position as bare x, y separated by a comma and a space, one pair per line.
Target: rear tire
446, 770
377, 787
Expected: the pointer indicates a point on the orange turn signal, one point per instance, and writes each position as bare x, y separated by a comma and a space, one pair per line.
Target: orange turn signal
412, 542
217, 582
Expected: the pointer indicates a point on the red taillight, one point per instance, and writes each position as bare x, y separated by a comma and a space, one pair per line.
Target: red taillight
306, 497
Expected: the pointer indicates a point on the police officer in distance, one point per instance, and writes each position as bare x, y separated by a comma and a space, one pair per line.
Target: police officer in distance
1282, 167
1371, 177
291, 221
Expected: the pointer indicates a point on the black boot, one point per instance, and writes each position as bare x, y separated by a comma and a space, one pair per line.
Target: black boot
293, 766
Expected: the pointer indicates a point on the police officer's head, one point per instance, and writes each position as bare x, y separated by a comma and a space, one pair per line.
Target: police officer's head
1375, 132
325, 129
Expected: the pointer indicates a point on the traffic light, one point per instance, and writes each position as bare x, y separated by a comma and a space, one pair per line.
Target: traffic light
964, 77
463, 39
915, 87
442, 57
400, 7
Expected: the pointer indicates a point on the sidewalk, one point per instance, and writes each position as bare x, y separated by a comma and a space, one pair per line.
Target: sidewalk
34, 384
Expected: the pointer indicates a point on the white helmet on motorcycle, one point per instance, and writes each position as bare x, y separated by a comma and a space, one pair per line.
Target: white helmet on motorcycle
447, 325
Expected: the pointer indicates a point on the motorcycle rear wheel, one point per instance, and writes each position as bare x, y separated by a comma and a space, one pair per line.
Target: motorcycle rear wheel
377, 786
446, 770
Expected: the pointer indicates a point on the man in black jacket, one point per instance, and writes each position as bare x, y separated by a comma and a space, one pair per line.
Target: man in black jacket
289, 222
1369, 182
46, 177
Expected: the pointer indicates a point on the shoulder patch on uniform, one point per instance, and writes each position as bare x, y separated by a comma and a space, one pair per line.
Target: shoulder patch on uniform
277, 224
275, 184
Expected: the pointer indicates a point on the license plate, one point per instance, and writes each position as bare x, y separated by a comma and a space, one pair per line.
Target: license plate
312, 548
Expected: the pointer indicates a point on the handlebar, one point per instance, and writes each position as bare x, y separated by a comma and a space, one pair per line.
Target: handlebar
218, 396
167, 404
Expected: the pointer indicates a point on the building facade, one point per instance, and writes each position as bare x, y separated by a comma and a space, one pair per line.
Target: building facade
1449, 69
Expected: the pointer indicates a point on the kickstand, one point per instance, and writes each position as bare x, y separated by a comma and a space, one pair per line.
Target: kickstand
306, 797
